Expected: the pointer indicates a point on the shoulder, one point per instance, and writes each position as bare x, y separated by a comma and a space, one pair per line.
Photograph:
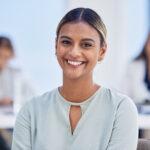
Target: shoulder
117, 100
121, 109
39, 103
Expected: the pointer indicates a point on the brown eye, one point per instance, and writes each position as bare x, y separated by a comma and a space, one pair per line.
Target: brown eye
66, 42
87, 45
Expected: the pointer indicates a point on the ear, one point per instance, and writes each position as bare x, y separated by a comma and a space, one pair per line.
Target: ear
102, 52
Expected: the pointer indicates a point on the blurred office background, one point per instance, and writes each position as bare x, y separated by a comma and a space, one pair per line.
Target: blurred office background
31, 25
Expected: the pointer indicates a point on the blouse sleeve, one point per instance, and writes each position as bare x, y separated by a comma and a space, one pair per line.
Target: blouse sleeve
125, 130
22, 134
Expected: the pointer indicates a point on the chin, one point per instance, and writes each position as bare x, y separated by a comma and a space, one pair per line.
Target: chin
72, 76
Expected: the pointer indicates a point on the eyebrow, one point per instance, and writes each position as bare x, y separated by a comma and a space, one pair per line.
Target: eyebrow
66, 37
85, 39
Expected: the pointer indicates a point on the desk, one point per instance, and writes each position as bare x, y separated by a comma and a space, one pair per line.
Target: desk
144, 121
7, 121
7, 118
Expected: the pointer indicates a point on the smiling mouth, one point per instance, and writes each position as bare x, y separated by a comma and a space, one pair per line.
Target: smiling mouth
75, 63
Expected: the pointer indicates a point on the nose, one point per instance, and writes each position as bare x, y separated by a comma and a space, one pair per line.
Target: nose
75, 51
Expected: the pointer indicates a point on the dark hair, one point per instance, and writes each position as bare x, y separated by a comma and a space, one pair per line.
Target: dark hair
88, 16
142, 54
5, 42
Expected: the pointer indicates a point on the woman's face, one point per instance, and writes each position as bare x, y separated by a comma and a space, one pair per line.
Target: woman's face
78, 49
5, 56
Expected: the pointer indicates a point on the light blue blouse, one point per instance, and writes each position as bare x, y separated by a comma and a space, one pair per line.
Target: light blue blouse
108, 122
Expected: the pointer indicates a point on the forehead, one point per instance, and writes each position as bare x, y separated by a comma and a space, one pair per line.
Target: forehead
78, 29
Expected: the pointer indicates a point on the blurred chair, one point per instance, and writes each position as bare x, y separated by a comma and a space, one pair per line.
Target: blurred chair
143, 144
3, 144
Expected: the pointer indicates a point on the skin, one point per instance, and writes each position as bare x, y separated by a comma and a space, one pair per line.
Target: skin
6, 101
5, 56
74, 116
78, 42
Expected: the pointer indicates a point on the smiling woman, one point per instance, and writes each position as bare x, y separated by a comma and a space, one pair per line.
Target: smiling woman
78, 49
80, 114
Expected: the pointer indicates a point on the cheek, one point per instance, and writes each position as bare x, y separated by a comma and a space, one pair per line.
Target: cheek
60, 51
93, 57
60, 54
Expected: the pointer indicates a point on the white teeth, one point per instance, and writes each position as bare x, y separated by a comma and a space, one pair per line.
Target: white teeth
75, 63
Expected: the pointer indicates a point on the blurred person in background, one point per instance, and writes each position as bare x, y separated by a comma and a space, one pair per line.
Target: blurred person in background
136, 82
15, 88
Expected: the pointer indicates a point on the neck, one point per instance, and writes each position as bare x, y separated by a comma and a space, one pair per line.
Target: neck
78, 90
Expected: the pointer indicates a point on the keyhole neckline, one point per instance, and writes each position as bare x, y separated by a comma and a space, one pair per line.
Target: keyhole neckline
67, 102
